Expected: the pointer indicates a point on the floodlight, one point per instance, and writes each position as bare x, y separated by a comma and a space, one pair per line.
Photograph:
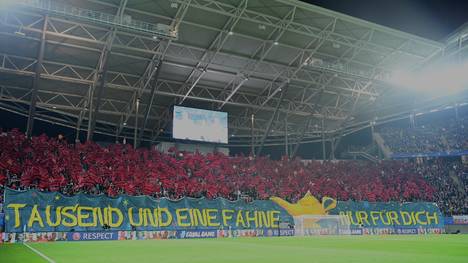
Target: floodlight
20, 32
442, 78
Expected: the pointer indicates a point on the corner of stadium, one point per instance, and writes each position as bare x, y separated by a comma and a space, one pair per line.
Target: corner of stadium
232, 131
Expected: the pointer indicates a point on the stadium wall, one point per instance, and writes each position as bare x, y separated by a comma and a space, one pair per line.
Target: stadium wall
203, 148
457, 224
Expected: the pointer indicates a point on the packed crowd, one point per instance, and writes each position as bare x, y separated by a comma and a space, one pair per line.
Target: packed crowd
439, 136
51, 164
450, 179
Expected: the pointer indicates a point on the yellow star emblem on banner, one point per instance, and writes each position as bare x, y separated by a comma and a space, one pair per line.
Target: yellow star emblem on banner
125, 202
57, 197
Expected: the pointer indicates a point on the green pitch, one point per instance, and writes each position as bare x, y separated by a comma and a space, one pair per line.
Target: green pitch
329, 249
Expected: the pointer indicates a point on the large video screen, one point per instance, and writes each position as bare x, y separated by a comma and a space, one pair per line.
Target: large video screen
200, 125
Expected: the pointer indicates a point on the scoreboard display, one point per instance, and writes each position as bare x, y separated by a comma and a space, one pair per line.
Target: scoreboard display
200, 125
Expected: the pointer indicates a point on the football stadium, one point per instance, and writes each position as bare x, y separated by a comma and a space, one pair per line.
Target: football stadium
233, 131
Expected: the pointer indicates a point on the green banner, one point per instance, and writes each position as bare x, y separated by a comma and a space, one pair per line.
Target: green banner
53, 212
46, 212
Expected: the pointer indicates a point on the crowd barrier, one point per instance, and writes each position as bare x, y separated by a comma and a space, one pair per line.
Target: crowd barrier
454, 153
141, 235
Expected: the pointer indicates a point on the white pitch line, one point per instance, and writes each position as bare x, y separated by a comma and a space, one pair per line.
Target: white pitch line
39, 253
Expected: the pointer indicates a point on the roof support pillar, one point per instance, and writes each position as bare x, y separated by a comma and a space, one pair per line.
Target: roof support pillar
135, 131
116, 135
82, 114
36, 80
337, 142
301, 137
100, 77
324, 152
149, 105
332, 149
94, 109
270, 122
252, 137
307, 122
286, 139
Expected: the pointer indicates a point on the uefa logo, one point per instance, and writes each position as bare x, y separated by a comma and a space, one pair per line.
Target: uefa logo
76, 236
270, 232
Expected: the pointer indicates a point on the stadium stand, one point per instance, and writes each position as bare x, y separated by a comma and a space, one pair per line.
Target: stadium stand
431, 137
51, 164
451, 182
180, 119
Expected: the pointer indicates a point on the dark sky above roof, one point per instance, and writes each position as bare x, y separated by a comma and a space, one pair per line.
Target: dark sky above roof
432, 19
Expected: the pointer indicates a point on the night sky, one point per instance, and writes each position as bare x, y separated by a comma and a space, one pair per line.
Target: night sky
432, 19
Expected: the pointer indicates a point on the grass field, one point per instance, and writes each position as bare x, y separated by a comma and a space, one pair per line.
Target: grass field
330, 249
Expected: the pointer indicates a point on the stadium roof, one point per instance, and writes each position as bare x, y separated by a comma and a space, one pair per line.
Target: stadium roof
288, 63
